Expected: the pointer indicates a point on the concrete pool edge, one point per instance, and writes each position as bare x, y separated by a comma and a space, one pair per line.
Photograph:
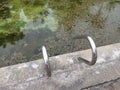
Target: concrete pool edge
67, 72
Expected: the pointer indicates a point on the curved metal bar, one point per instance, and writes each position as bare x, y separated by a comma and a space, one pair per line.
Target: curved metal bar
46, 60
93, 48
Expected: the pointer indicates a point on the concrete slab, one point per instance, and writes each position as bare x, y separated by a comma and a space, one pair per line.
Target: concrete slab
67, 72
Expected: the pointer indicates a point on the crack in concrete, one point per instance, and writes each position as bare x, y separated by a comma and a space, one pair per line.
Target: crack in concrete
100, 84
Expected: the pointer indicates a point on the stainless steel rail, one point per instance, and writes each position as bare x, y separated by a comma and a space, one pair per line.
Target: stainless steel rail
93, 48
46, 60
92, 62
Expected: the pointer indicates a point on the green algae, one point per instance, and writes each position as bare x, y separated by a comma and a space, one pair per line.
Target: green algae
48, 22
65, 12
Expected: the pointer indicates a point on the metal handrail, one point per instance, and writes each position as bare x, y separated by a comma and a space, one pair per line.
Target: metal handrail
46, 60
93, 48
92, 62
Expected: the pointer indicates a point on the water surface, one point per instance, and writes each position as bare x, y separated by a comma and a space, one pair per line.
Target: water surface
54, 23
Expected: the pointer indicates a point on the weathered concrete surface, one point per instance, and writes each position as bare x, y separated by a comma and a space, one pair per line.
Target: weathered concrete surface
110, 85
67, 72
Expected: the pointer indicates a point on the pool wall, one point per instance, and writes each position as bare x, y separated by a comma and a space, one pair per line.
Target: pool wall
67, 72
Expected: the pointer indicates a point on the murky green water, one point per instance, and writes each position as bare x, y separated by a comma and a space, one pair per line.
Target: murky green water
53, 23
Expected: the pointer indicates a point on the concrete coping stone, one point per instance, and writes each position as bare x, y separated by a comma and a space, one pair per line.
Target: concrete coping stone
67, 72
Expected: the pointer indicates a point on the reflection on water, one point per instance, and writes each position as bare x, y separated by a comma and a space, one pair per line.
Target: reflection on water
4, 9
97, 17
4, 39
47, 20
55, 23
23, 16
